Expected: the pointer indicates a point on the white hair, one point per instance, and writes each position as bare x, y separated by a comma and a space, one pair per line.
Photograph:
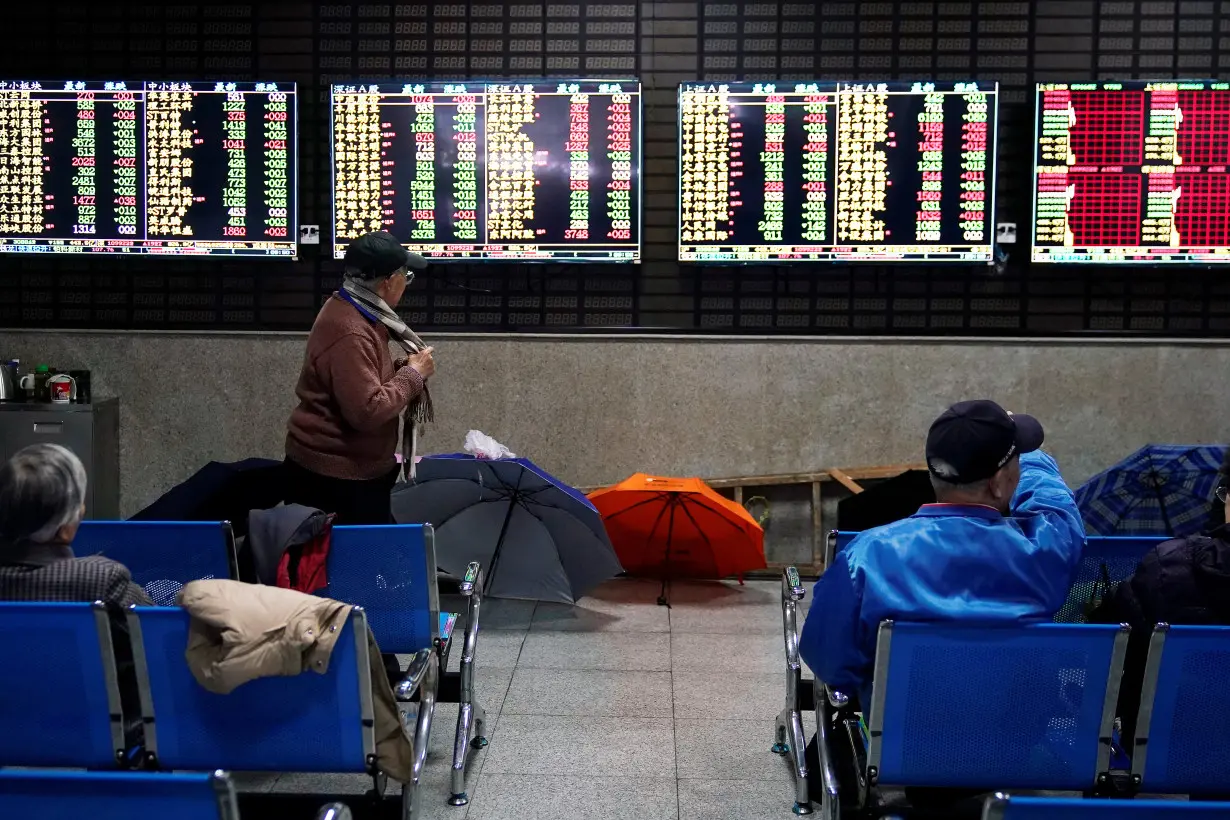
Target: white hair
944, 489
42, 489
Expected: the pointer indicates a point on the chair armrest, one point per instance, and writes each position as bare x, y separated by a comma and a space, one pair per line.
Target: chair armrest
334, 811
415, 673
792, 593
473, 580
472, 588
792, 587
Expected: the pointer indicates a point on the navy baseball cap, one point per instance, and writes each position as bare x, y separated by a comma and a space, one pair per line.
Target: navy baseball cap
972, 440
377, 254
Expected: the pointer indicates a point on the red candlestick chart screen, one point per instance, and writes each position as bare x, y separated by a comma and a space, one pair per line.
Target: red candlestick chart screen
1132, 172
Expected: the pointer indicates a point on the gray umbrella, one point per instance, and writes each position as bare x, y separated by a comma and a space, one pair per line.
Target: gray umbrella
535, 537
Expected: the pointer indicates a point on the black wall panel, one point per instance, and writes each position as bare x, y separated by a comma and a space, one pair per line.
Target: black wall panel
663, 43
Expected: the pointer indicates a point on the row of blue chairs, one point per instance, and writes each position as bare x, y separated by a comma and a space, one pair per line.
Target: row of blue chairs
62, 706
57, 795
309, 723
996, 707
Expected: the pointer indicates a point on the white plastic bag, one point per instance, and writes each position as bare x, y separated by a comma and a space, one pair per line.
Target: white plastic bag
482, 445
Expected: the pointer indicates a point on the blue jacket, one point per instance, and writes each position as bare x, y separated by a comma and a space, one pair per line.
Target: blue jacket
945, 562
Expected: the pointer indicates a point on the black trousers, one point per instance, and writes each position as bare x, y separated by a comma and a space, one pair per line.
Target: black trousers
353, 502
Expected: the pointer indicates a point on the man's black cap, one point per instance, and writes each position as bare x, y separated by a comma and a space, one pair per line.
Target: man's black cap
972, 440
377, 254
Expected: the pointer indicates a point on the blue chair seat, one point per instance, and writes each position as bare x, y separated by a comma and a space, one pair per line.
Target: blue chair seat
390, 571
162, 555
1105, 560
981, 706
60, 702
969, 705
1182, 743
51, 795
304, 723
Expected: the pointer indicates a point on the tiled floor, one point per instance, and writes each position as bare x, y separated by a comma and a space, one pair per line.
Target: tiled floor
618, 708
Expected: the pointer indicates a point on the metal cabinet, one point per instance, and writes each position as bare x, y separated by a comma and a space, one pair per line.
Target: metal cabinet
92, 431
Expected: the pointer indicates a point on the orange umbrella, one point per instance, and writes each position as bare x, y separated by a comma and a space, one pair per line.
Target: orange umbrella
678, 528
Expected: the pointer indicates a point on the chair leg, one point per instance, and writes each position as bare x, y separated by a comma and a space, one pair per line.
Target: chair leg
798, 764
467, 719
422, 735
480, 727
471, 718
780, 747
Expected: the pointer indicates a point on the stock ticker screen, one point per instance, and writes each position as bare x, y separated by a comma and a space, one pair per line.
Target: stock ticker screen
169, 168
814, 171
1132, 172
507, 170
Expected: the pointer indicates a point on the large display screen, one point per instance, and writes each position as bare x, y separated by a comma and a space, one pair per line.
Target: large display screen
508, 170
175, 168
806, 171
1132, 172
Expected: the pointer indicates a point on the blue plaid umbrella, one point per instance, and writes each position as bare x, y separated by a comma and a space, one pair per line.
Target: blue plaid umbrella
1161, 489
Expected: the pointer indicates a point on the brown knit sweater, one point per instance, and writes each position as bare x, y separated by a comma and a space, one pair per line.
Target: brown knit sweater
350, 397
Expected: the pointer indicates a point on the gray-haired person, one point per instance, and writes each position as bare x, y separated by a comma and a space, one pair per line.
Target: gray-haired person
42, 502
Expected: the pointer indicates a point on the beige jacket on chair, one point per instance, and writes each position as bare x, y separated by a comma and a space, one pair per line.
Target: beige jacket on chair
241, 632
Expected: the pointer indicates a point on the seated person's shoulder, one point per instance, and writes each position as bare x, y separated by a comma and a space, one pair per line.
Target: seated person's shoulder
112, 579
889, 536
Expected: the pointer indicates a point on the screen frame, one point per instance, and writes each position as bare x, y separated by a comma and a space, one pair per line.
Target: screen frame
1129, 84
337, 255
991, 226
292, 211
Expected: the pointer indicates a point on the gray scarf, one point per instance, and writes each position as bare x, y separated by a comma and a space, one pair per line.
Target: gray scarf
420, 410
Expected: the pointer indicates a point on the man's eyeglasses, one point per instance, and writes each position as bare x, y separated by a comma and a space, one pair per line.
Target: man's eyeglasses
1221, 492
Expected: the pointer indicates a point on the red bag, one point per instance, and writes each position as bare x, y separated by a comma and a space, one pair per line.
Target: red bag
304, 566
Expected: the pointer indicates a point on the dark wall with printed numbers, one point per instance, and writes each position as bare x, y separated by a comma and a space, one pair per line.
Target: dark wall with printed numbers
663, 43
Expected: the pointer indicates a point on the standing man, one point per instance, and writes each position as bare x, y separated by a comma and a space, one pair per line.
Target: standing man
342, 438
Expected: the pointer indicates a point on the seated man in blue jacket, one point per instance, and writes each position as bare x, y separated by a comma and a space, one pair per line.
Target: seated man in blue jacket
1002, 544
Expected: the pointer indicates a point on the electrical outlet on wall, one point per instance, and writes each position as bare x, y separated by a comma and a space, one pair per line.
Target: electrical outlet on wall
309, 234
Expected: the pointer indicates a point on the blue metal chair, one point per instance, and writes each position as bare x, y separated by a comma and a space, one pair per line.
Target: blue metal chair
1003, 807
52, 795
162, 555
305, 723
1183, 729
391, 572
1105, 560
980, 706
59, 698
